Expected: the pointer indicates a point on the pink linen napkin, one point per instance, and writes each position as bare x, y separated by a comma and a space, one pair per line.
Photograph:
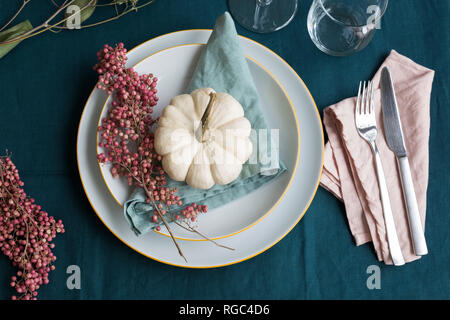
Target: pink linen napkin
349, 169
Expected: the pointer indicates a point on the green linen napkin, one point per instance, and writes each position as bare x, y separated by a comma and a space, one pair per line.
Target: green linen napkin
223, 67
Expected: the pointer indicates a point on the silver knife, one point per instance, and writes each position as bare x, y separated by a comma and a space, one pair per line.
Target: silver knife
394, 137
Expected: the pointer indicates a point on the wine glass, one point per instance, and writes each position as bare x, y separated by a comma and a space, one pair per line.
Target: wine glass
343, 27
263, 16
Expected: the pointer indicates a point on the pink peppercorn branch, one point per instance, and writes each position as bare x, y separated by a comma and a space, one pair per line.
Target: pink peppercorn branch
127, 137
26, 234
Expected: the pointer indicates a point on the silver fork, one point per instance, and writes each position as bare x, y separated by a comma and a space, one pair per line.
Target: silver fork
367, 128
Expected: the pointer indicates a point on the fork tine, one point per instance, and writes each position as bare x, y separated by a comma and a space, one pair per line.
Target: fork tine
358, 100
366, 102
371, 98
364, 97
367, 105
368, 97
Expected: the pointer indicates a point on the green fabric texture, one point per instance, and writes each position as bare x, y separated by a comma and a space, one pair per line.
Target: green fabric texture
46, 80
223, 67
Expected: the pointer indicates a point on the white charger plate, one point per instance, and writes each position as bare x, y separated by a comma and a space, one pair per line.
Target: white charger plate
174, 67
264, 234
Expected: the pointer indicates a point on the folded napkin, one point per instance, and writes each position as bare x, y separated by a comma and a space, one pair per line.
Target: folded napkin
223, 67
349, 169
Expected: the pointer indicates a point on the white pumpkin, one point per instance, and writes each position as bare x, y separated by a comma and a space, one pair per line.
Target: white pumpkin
203, 155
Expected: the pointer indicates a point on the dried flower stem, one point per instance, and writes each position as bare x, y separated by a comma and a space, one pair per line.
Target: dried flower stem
126, 11
46, 25
150, 195
24, 3
191, 229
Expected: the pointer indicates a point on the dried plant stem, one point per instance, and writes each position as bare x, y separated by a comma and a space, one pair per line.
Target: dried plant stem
24, 3
150, 195
46, 26
186, 227
191, 229
112, 18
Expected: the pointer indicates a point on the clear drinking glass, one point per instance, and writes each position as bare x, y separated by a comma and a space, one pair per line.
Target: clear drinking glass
343, 27
263, 16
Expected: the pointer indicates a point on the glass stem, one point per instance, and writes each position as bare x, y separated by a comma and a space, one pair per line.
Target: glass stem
260, 12
263, 3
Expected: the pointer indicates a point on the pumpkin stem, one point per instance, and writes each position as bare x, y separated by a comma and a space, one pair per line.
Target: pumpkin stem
207, 114
205, 117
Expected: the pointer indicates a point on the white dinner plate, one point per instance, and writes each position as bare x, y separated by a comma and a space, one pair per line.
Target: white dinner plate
174, 67
248, 243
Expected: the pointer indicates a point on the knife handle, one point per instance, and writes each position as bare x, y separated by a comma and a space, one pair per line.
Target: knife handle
415, 223
391, 232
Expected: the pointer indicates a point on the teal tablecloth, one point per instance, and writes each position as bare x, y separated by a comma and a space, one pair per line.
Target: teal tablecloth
45, 81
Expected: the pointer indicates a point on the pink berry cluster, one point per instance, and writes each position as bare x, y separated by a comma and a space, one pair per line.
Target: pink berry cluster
191, 211
26, 234
126, 134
